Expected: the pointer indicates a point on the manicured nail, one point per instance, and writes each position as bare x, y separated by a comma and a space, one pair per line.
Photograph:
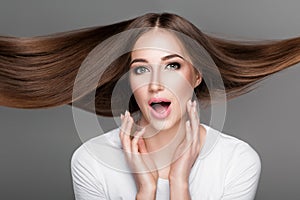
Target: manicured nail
126, 113
188, 123
122, 116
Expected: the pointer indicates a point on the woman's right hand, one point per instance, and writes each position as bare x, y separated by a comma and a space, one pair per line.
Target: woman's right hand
140, 163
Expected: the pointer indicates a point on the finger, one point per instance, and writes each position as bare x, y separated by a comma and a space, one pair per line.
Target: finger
128, 124
146, 157
190, 109
143, 149
197, 118
134, 142
196, 112
122, 127
188, 131
127, 129
196, 130
191, 116
187, 140
188, 106
124, 121
194, 122
142, 146
138, 160
141, 143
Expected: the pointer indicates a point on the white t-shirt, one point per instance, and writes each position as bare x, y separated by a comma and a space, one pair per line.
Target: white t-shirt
226, 168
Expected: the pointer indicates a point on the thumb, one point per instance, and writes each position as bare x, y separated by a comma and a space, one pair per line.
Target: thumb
142, 146
147, 160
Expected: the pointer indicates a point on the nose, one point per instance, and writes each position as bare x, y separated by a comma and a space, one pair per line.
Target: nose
155, 87
155, 84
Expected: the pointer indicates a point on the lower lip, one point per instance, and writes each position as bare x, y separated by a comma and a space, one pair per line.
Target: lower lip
161, 115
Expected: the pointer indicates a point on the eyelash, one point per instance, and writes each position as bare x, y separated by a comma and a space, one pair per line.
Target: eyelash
175, 63
142, 67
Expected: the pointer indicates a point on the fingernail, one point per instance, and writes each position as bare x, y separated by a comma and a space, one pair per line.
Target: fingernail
142, 130
122, 116
126, 113
195, 103
190, 102
188, 123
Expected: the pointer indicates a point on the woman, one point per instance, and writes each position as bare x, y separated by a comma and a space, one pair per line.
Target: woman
165, 74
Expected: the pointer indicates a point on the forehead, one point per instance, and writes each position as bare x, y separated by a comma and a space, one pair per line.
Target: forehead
159, 41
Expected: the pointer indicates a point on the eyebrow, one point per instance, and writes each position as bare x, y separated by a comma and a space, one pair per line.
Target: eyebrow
163, 59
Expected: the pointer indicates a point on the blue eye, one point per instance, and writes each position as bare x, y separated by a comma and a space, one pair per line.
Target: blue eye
173, 66
140, 70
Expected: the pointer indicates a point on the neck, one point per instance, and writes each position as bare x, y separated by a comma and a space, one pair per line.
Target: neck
162, 138
163, 143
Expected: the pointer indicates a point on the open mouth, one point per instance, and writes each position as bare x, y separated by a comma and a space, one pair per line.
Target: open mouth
160, 108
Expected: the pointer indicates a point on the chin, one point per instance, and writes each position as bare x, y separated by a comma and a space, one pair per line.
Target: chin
163, 125
160, 124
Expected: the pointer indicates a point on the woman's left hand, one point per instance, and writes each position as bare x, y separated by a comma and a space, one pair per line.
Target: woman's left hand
188, 150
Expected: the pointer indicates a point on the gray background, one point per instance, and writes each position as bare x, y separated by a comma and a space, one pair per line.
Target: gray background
36, 145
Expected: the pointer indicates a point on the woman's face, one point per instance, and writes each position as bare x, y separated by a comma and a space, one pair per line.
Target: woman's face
161, 78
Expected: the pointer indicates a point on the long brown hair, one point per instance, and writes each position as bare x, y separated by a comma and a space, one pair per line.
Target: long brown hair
39, 72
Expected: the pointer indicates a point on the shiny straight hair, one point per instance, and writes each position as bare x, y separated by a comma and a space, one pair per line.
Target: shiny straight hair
39, 72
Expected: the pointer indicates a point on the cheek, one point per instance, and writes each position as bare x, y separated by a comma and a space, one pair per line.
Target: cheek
137, 89
179, 84
180, 87
137, 82
139, 94
182, 93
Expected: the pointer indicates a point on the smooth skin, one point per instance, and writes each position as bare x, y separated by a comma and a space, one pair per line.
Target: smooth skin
179, 170
161, 68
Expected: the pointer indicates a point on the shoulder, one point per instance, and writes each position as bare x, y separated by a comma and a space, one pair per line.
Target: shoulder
240, 150
242, 169
87, 170
243, 163
223, 143
231, 152
85, 155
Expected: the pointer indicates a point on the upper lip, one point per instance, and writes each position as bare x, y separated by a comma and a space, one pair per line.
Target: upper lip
158, 100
